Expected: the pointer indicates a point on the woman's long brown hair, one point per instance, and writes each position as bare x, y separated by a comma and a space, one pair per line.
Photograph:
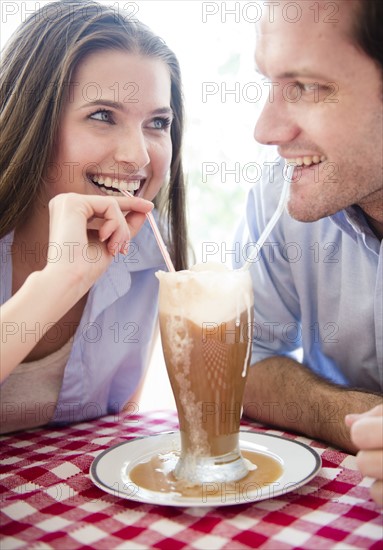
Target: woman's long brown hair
36, 69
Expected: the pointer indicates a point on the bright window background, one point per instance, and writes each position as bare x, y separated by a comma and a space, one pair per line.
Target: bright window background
214, 42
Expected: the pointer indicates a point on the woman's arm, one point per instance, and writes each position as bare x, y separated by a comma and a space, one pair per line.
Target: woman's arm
101, 226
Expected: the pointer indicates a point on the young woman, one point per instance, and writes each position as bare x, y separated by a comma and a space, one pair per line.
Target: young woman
91, 104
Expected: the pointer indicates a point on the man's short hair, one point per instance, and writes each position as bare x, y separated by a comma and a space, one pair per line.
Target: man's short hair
368, 30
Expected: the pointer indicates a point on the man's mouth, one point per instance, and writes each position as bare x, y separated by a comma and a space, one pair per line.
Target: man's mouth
306, 160
114, 186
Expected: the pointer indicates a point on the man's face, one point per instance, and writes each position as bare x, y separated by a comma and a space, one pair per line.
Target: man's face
325, 111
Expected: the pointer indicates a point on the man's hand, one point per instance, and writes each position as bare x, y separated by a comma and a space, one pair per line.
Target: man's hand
367, 434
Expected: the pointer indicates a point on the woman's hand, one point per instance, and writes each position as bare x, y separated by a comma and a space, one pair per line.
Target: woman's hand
87, 231
367, 435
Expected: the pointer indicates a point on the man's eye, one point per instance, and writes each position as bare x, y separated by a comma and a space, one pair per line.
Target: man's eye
312, 87
103, 115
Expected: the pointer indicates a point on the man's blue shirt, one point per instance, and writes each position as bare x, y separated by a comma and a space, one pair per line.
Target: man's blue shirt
318, 289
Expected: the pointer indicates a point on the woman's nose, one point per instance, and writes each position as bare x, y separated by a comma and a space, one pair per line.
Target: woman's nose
275, 125
132, 149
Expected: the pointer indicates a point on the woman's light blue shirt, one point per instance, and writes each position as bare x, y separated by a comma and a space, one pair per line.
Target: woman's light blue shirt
112, 343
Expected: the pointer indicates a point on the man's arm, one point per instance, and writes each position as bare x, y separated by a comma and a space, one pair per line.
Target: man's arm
282, 392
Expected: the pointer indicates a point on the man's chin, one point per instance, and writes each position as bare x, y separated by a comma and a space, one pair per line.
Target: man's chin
308, 215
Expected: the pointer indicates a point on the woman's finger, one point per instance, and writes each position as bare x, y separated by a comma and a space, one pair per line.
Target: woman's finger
135, 221
88, 219
123, 220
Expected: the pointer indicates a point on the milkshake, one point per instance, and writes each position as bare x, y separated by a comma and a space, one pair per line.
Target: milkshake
206, 332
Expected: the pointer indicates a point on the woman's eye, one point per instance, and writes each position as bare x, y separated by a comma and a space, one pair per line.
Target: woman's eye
160, 123
102, 115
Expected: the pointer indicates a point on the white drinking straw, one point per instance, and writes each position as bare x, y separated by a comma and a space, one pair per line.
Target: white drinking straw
157, 235
288, 176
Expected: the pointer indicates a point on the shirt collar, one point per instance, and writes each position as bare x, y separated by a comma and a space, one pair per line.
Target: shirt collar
352, 221
6, 267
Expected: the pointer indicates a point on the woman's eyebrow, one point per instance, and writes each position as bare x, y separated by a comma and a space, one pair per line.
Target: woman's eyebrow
103, 102
163, 111
122, 106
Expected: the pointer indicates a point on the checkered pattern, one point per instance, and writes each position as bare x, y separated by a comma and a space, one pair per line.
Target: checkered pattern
49, 502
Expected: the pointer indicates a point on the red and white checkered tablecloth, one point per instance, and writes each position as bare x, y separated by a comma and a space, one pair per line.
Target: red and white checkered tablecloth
48, 500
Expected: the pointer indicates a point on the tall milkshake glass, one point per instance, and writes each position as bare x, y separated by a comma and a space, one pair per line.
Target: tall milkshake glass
206, 332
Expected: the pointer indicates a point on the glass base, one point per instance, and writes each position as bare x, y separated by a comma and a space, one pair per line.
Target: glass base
213, 469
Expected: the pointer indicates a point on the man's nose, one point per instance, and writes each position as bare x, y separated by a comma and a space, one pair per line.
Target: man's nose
275, 125
132, 149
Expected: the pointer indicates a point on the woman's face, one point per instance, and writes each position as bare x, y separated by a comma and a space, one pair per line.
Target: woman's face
115, 129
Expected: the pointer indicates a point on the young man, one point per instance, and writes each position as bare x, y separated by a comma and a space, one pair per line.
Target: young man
318, 282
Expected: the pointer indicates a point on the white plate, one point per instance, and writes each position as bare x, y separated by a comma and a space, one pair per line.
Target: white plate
110, 469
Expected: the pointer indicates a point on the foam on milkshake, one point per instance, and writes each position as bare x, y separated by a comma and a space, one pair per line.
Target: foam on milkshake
192, 292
